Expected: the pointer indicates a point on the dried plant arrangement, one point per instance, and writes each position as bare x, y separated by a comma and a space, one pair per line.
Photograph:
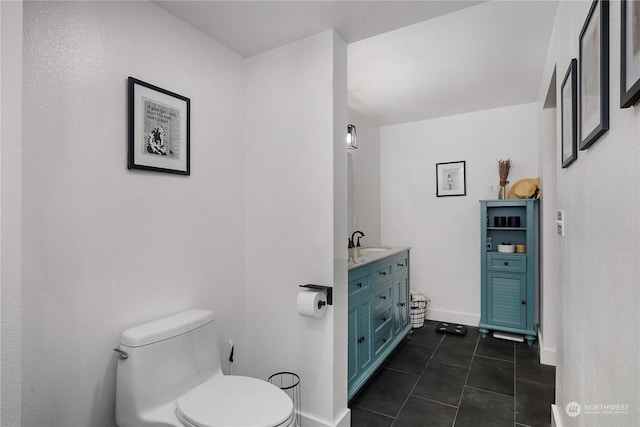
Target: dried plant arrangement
504, 167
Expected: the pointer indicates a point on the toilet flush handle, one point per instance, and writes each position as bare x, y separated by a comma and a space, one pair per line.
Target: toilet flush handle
122, 355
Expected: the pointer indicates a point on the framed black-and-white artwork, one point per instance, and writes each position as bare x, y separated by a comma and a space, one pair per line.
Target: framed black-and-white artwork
159, 128
568, 115
594, 74
451, 179
629, 54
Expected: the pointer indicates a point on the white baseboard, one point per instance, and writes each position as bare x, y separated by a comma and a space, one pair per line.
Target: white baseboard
556, 418
547, 355
308, 421
345, 420
342, 421
468, 319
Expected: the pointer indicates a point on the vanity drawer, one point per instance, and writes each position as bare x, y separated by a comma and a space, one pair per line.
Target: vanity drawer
401, 264
381, 272
382, 317
516, 263
359, 283
381, 338
381, 296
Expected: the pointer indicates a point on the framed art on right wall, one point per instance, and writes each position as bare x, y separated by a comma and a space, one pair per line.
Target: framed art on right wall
594, 74
629, 53
568, 115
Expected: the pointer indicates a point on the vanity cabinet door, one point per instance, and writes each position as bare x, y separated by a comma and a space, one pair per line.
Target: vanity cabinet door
401, 303
507, 299
359, 338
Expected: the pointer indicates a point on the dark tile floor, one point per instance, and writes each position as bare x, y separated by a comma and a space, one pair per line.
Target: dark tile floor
436, 379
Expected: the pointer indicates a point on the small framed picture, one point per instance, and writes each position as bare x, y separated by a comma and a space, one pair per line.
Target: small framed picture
629, 53
158, 129
594, 74
568, 116
451, 179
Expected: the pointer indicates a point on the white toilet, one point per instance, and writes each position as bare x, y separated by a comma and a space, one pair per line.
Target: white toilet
169, 374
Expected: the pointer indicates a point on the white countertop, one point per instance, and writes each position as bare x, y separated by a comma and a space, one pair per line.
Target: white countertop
363, 256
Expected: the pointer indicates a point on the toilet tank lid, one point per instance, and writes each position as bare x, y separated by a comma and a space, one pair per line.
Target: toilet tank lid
165, 328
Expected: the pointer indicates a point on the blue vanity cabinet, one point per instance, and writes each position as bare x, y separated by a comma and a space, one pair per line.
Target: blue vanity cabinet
509, 281
378, 315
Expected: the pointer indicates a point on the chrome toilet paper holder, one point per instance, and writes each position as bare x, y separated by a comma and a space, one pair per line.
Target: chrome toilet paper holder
327, 289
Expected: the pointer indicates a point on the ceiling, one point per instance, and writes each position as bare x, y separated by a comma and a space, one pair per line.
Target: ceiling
407, 60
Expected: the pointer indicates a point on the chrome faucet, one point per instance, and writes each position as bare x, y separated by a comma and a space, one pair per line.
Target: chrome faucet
352, 239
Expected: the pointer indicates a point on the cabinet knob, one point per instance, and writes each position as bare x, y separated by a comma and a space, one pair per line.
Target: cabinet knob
384, 319
506, 263
524, 303
384, 273
400, 264
402, 304
359, 284
384, 340
361, 340
382, 296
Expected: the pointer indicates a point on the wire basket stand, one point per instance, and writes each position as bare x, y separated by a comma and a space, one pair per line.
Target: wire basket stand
418, 309
290, 384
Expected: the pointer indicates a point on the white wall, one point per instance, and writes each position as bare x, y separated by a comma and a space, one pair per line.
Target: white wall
10, 211
365, 179
104, 247
599, 255
444, 232
548, 165
289, 194
341, 417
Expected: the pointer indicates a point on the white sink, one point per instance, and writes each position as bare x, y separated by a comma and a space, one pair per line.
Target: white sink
374, 249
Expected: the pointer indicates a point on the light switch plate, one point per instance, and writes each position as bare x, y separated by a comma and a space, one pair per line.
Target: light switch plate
560, 222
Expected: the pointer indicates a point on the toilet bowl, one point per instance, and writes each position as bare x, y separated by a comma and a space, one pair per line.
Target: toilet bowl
233, 396
169, 374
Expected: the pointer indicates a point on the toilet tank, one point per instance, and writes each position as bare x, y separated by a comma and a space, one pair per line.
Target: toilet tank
167, 358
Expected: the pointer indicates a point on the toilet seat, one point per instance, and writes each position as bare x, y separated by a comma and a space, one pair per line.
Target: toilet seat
235, 401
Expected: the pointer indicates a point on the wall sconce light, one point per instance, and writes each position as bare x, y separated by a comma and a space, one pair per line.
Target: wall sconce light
352, 141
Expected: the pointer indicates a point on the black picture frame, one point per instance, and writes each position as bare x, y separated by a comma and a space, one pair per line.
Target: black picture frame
568, 115
159, 129
629, 53
593, 75
451, 179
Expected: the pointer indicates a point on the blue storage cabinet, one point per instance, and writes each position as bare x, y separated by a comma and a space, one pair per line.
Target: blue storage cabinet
509, 282
378, 315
